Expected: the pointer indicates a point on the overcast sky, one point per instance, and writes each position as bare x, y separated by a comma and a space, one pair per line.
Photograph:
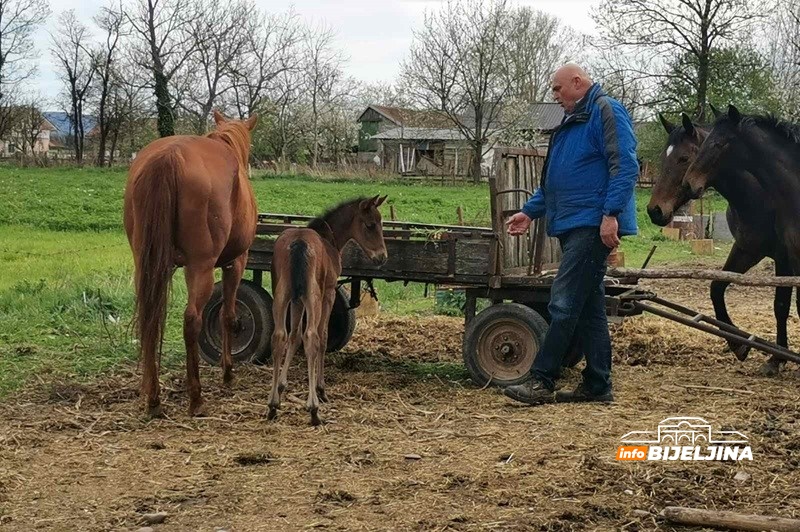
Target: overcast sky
374, 34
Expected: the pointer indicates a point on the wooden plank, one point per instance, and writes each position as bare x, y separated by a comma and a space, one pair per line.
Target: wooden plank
709, 275
516, 151
510, 179
729, 520
406, 259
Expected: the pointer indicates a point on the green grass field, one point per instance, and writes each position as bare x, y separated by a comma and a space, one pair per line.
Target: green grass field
65, 266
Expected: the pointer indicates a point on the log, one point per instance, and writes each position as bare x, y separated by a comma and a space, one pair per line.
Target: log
708, 275
731, 520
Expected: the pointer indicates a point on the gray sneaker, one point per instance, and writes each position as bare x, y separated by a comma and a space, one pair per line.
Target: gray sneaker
582, 395
532, 392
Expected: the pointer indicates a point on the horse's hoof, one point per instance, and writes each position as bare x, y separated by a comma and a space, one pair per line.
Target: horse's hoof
315, 420
272, 414
768, 369
321, 395
198, 410
227, 379
741, 351
155, 411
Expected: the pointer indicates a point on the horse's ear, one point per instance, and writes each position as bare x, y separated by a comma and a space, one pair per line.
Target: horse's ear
252, 121
687, 124
367, 204
669, 126
714, 110
381, 200
219, 118
733, 114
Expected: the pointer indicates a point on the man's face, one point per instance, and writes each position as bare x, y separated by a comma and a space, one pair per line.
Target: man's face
567, 90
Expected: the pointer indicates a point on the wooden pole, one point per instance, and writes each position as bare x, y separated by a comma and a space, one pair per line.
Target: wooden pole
708, 275
460, 213
391, 213
735, 521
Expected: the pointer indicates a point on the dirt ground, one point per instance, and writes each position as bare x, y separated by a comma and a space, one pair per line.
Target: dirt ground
408, 451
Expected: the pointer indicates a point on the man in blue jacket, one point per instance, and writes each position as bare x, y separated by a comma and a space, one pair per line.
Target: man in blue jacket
586, 194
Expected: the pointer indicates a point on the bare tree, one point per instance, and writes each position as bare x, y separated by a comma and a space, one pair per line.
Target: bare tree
649, 32
19, 19
70, 49
617, 74
110, 20
286, 112
30, 126
380, 93
272, 48
165, 43
782, 49
541, 44
322, 76
220, 32
460, 62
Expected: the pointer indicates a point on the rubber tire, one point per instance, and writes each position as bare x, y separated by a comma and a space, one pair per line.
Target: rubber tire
342, 322
524, 316
257, 303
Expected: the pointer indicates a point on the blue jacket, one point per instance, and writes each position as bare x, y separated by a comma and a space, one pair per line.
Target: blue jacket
590, 169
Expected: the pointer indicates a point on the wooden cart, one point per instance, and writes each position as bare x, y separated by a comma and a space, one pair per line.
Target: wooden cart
515, 274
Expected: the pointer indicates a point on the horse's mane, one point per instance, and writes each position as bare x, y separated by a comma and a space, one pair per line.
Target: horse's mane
235, 135
320, 223
784, 128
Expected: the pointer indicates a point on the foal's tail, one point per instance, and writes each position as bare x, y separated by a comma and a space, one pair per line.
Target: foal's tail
154, 209
298, 267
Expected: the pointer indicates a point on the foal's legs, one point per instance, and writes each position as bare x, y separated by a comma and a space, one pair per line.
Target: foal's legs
314, 350
738, 261
327, 305
279, 336
231, 277
200, 283
295, 338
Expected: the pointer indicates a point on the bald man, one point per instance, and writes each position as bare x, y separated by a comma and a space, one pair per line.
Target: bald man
586, 194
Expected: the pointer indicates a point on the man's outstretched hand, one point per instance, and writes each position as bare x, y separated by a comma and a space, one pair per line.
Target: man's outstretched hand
518, 224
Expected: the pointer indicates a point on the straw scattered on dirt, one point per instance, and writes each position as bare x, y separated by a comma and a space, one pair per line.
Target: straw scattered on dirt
403, 448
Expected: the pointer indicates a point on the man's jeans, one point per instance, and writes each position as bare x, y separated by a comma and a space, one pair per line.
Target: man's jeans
577, 307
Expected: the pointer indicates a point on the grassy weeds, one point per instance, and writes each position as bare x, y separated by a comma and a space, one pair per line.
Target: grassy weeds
65, 267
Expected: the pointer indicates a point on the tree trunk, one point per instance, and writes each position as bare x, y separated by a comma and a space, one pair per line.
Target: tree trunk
315, 147
101, 149
166, 122
476, 161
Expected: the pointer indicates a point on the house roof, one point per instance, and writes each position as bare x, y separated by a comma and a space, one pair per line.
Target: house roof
63, 125
542, 116
419, 133
401, 116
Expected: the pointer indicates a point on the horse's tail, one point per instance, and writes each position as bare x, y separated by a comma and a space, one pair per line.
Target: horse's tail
298, 267
153, 232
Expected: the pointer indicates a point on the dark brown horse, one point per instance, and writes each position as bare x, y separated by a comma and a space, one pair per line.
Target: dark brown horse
767, 151
188, 202
750, 217
306, 265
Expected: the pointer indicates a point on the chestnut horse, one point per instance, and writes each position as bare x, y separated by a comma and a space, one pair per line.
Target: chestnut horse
188, 202
306, 264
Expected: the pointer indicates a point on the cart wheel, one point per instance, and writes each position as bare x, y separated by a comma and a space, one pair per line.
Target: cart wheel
251, 342
501, 342
342, 322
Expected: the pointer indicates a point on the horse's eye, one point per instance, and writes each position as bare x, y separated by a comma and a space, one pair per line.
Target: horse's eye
371, 226
683, 158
